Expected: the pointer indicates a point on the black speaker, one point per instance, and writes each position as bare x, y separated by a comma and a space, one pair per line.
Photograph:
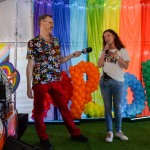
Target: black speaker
22, 124
15, 144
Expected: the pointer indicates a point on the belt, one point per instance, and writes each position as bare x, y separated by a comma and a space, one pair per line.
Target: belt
105, 76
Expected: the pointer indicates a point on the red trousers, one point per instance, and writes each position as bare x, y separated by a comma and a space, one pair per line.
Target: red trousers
56, 92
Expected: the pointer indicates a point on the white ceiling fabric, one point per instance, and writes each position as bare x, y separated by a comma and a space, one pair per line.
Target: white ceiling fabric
14, 19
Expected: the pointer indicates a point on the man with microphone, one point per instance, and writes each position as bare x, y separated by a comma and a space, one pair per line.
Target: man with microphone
44, 77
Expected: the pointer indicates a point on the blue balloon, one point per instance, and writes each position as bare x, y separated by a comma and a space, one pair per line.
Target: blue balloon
139, 96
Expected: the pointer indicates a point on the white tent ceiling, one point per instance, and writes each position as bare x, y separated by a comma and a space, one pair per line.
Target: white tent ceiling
16, 15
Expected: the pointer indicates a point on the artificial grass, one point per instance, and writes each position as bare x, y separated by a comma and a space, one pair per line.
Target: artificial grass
137, 132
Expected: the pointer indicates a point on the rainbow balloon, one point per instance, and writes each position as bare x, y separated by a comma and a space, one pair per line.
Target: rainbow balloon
8, 68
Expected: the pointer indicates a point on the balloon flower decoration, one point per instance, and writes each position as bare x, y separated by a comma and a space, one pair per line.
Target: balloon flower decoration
82, 89
94, 110
146, 79
139, 97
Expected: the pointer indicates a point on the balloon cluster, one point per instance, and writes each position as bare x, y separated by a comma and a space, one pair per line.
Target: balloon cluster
82, 89
94, 110
146, 79
67, 86
139, 97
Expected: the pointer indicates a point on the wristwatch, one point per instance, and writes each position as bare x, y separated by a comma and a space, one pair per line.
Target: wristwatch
117, 57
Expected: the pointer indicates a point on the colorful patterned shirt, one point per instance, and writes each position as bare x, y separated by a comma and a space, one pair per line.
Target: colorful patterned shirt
47, 59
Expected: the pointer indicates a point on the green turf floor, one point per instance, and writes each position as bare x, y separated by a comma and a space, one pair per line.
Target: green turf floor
138, 133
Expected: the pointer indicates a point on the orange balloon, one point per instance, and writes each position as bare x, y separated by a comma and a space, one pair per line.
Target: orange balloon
82, 89
77, 107
71, 68
71, 72
78, 98
77, 70
82, 69
78, 83
75, 75
87, 89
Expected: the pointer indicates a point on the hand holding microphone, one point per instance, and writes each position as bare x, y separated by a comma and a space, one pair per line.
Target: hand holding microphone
84, 51
107, 46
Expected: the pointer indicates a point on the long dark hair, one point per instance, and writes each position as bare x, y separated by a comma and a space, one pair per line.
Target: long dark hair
117, 41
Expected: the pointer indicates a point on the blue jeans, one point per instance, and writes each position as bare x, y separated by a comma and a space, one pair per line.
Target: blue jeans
112, 93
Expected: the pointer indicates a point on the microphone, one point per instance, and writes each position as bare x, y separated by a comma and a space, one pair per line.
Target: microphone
86, 50
107, 46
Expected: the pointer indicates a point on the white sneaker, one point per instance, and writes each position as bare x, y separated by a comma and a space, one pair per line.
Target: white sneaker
121, 136
109, 137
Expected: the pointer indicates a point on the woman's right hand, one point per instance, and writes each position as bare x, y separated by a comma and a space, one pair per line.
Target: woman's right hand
106, 48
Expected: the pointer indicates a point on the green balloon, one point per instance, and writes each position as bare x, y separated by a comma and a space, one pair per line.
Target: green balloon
147, 91
148, 71
146, 76
144, 68
148, 63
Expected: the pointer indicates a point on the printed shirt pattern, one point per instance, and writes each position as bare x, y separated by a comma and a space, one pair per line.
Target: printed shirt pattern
47, 59
110, 59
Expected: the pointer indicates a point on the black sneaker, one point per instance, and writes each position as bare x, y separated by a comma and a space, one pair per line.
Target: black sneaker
80, 138
46, 145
